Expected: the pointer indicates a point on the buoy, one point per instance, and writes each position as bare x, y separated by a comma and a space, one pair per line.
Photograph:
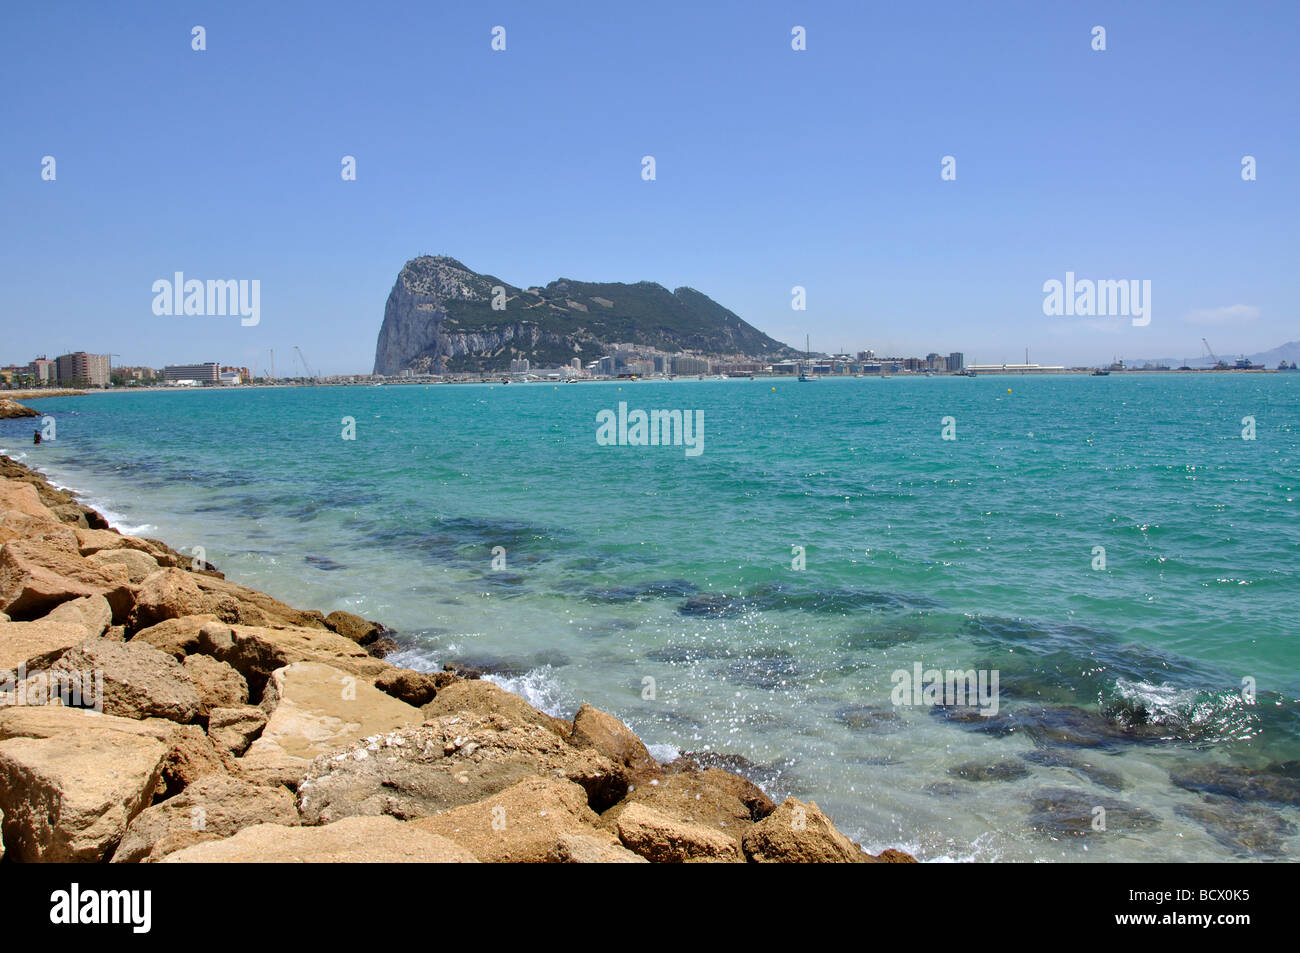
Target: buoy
773, 388
1008, 390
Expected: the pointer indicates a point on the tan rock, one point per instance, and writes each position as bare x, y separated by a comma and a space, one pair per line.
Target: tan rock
713, 799
456, 760
22, 498
139, 566
233, 729
585, 849
90, 541
477, 697
270, 611
414, 688
36, 645
191, 755
139, 681
798, 833
38, 574
354, 627
219, 685
70, 797
18, 525
351, 840
521, 824
177, 637
663, 839
167, 594
93, 613
318, 710
211, 808
593, 728
256, 652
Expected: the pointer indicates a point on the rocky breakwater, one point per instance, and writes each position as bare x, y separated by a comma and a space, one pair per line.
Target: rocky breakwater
234, 727
11, 408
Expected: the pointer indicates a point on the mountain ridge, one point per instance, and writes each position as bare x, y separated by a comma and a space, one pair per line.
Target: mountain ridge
440, 317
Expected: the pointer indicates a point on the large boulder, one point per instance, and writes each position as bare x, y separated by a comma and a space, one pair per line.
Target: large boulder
442, 764
213, 807
36, 645
255, 651
521, 824
139, 566
167, 594
232, 730
139, 681
714, 799
22, 498
93, 613
414, 688
38, 574
70, 796
660, 838
177, 637
354, 627
351, 840
255, 608
477, 697
593, 728
798, 833
219, 685
318, 710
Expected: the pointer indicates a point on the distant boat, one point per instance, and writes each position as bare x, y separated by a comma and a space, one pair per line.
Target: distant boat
802, 376
1101, 372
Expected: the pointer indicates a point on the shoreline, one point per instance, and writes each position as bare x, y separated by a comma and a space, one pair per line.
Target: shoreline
291, 734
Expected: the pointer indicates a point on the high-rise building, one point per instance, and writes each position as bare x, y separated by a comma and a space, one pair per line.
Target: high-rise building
44, 370
690, 365
519, 365
209, 373
80, 369
956, 361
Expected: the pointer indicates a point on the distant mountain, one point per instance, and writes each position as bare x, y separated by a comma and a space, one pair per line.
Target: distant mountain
1285, 352
440, 318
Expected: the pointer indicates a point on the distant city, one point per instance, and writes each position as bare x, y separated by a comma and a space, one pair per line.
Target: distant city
83, 370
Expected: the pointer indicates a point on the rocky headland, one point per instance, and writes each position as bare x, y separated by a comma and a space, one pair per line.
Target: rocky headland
234, 727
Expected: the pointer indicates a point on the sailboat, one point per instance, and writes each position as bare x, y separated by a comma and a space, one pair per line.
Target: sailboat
802, 375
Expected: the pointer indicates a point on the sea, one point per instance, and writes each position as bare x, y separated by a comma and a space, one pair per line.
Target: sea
1118, 556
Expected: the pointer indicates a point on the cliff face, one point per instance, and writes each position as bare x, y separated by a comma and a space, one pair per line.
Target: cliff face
439, 317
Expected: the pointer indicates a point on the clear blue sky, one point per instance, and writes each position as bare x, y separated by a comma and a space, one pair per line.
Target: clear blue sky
775, 168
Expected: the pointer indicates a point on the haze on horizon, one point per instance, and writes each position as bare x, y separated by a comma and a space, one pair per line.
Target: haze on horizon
774, 168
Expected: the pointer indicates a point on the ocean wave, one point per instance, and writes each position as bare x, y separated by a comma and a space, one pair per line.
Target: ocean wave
1184, 714
539, 687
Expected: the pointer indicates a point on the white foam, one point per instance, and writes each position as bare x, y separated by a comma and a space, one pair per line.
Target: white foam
664, 754
538, 687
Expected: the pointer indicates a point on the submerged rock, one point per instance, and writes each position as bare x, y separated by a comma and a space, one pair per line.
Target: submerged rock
1248, 829
1006, 770
1065, 812
1086, 767
1276, 784
873, 718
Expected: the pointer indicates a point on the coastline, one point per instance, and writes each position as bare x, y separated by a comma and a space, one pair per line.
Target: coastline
292, 737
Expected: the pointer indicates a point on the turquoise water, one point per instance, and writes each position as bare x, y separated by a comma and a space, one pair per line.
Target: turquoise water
628, 563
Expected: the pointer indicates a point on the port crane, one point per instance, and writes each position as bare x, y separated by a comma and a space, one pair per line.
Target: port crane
310, 375
1213, 357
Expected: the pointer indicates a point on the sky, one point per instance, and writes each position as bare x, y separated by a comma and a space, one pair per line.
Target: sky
774, 168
